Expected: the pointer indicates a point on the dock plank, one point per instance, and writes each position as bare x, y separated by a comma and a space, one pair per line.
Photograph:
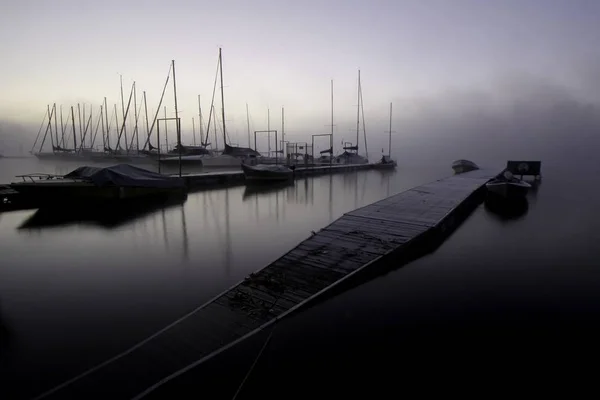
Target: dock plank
311, 269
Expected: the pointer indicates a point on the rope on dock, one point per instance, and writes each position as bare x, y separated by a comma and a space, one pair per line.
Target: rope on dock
239, 389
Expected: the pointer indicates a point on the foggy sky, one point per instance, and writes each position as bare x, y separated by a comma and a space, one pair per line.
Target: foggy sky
452, 68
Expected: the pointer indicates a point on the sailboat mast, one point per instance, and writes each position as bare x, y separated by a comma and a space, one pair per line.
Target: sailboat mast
269, 132
248, 123
74, 134
215, 128
62, 128
362, 111
358, 111
194, 130
79, 117
107, 142
166, 135
91, 123
177, 125
201, 128
135, 116
222, 99
55, 125
390, 138
102, 112
146, 114
282, 131
48, 129
331, 137
84, 129
116, 127
124, 130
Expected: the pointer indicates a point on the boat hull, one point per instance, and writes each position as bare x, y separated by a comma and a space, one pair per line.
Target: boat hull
222, 161
386, 165
259, 175
508, 189
462, 166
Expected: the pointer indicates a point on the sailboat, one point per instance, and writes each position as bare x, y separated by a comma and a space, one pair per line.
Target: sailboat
350, 154
231, 156
386, 161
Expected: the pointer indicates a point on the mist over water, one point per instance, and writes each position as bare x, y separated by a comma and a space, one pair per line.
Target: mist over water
519, 116
62, 285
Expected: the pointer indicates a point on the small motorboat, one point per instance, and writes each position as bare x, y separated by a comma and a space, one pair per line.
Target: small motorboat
461, 166
267, 172
91, 184
507, 186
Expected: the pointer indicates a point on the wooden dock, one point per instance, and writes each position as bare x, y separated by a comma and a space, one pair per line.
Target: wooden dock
11, 200
396, 228
217, 179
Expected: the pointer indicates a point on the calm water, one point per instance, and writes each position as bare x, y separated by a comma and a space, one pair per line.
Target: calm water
504, 304
72, 294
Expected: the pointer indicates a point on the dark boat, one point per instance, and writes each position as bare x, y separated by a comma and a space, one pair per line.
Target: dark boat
385, 163
267, 172
86, 184
108, 216
507, 186
260, 190
460, 166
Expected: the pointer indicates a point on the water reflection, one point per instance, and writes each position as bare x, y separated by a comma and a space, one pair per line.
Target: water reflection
186, 246
158, 265
108, 217
4, 336
251, 191
506, 209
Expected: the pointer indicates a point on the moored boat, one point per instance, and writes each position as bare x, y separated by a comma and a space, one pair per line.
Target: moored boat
507, 186
385, 162
91, 184
461, 166
267, 172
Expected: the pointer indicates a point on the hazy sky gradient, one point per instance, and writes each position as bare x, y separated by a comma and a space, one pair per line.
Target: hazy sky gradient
284, 53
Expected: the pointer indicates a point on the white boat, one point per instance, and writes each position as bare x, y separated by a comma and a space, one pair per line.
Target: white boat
507, 186
350, 158
267, 172
231, 156
460, 166
228, 159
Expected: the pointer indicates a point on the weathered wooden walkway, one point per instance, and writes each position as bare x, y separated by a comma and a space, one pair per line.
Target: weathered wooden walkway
316, 267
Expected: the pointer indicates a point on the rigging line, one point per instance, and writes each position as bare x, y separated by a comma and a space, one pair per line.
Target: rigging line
97, 126
364, 125
112, 114
135, 129
39, 131
158, 108
212, 102
239, 389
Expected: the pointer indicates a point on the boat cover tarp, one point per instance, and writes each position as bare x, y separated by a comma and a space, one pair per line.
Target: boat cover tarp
125, 175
